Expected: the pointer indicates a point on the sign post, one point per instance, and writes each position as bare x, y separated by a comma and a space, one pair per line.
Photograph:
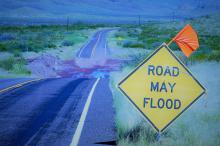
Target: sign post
161, 88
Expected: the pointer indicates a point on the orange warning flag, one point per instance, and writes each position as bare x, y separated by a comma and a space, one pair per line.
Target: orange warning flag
187, 40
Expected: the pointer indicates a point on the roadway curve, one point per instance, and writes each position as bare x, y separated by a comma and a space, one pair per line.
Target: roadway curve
48, 111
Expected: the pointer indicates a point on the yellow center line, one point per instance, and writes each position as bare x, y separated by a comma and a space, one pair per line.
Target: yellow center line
94, 48
18, 85
83, 48
106, 47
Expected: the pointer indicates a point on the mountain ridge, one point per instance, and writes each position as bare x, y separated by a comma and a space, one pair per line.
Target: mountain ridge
107, 8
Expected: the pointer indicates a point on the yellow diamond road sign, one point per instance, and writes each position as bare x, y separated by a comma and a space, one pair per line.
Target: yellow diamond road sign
161, 88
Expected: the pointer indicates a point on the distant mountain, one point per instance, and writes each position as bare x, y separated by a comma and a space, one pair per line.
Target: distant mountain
107, 9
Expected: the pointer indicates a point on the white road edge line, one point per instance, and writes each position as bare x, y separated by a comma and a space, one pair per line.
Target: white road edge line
76, 136
93, 49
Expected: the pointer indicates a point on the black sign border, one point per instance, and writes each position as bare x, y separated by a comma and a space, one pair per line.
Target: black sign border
149, 57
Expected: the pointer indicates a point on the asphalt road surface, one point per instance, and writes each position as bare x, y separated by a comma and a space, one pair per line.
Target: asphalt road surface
96, 47
59, 111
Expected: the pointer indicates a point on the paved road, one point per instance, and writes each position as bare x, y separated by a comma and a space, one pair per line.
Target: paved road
4, 83
50, 111
96, 47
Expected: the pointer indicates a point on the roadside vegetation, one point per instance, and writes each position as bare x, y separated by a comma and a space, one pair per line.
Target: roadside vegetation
17, 40
199, 125
150, 35
15, 65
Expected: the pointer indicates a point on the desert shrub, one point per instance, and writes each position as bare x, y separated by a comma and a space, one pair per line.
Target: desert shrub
67, 43
212, 42
19, 67
133, 32
7, 64
51, 45
3, 48
17, 53
214, 56
6, 37
15, 65
38, 38
198, 56
121, 33
132, 44
11, 45
152, 40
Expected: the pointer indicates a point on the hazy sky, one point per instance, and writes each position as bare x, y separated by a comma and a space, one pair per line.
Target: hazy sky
86, 9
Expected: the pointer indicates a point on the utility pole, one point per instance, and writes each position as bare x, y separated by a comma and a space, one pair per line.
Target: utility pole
173, 15
67, 24
139, 20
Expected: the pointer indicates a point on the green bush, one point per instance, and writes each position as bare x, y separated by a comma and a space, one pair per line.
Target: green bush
19, 67
211, 42
133, 32
120, 33
51, 45
17, 53
133, 44
15, 65
12, 45
67, 43
38, 38
153, 34
3, 48
8, 63
214, 56
198, 56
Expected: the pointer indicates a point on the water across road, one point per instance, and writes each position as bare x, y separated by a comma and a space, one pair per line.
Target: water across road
52, 111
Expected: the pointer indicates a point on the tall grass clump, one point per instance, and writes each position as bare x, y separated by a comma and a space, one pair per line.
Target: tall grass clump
198, 126
15, 65
132, 129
